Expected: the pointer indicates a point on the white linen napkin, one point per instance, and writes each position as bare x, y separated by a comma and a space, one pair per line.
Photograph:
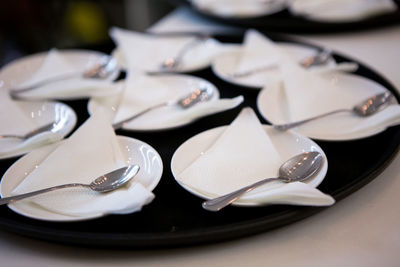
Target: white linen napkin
56, 65
341, 10
90, 152
14, 120
243, 154
308, 94
147, 52
143, 91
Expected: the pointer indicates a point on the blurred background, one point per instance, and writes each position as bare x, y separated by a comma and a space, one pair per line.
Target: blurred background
30, 26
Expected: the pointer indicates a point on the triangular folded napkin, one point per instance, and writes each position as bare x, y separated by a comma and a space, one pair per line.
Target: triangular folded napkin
93, 150
308, 94
243, 154
146, 52
143, 91
56, 65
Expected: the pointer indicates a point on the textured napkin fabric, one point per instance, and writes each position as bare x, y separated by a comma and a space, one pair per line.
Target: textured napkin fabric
143, 91
93, 150
15, 120
146, 52
55, 65
341, 10
308, 94
243, 154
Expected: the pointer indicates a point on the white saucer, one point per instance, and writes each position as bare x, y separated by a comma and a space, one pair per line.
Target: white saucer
240, 10
20, 70
224, 65
290, 142
273, 107
182, 85
338, 12
137, 152
41, 113
196, 58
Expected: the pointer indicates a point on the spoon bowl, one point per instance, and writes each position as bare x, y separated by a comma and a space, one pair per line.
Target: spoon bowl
105, 183
298, 168
365, 108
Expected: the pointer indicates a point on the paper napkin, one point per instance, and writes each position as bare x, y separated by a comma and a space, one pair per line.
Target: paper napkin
93, 150
143, 91
14, 120
56, 64
147, 52
341, 10
308, 94
243, 154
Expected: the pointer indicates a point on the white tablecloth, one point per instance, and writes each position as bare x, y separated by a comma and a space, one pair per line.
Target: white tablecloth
361, 230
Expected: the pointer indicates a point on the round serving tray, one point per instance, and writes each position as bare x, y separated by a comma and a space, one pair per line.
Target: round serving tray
284, 21
176, 218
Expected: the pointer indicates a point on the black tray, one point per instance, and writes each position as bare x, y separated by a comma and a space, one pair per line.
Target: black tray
284, 21
176, 218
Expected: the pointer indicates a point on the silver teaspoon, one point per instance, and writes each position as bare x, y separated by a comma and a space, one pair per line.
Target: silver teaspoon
321, 58
365, 108
106, 66
199, 95
102, 184
297, 168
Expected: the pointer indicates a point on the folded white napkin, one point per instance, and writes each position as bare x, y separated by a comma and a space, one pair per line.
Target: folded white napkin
341, 10
239, 8
90, 152
56, 64
308, 94
147, 52
143, 91
243, 154
14, 120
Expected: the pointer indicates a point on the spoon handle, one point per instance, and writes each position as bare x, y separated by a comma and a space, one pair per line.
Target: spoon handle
34, 132
218, 203
7, 200
287, 126
121, 123
14, 92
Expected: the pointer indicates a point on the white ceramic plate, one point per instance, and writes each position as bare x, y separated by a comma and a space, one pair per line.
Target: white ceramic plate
224, 65
41, 113
239, 9
21, 70
196, 58
337, 12
290, 142
137, 152
181, 84
272, 105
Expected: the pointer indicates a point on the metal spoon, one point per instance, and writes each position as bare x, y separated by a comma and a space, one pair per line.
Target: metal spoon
102, 184
365, 108
106, 66
318, 59
297, 168
32, 133
173, 62
199, 95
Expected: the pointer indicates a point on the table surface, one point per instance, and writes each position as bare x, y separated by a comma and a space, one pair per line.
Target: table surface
361, 230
